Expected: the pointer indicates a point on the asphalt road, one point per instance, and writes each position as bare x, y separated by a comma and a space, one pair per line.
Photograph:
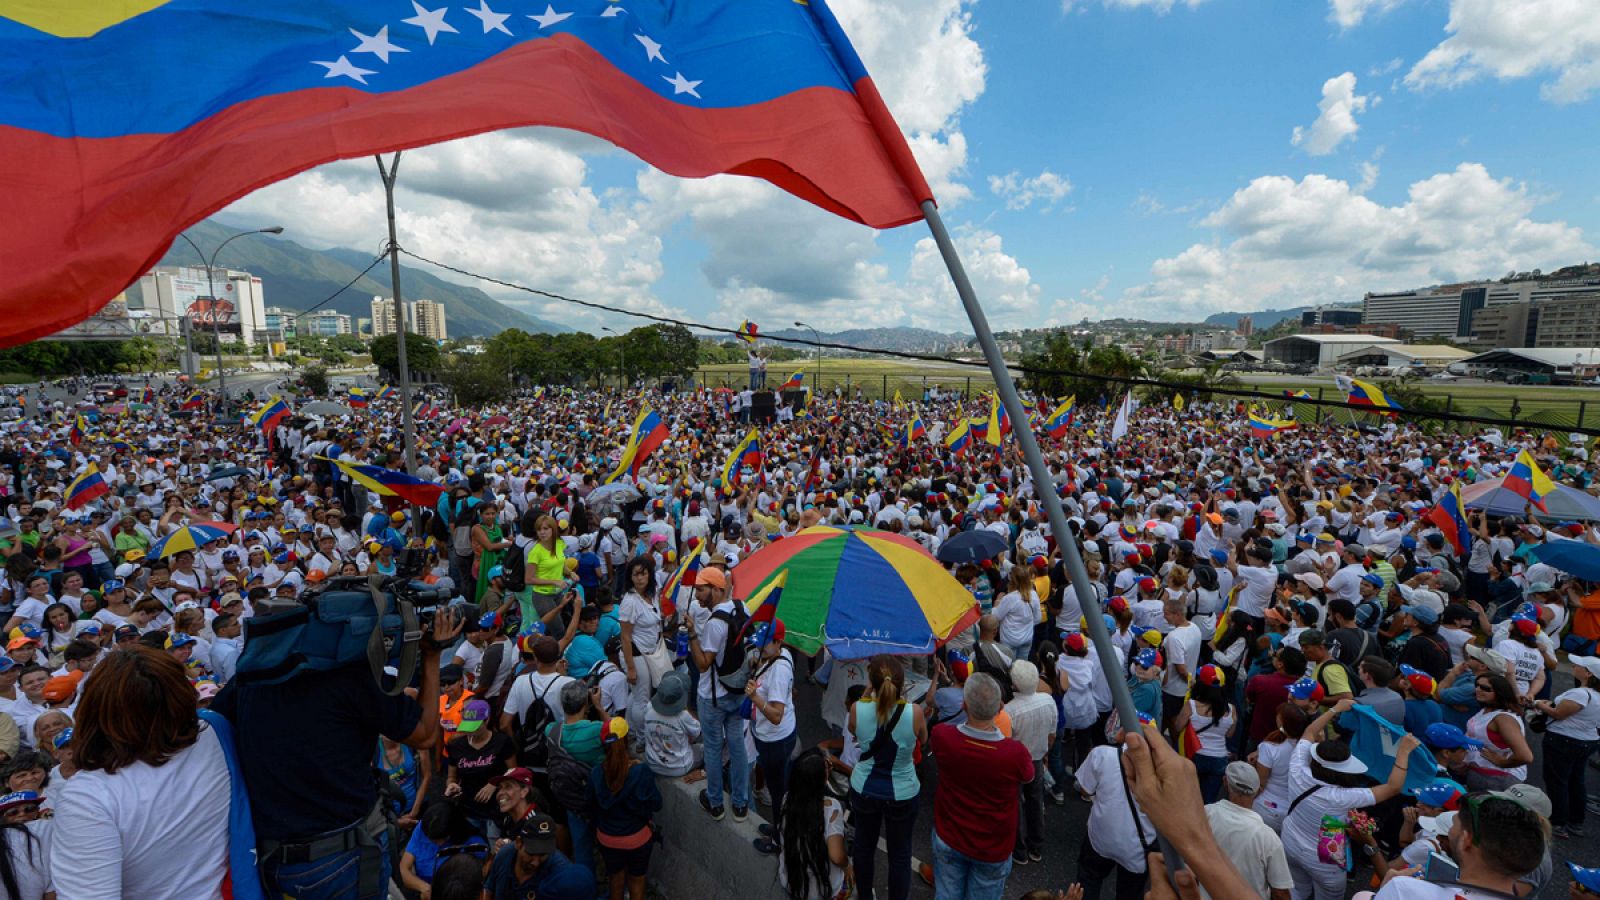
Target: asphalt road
1065, 826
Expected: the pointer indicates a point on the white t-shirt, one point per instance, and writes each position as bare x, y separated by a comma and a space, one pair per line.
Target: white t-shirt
147, 831
1273, 801
1182, 647
532, 685
1111, 829
1256, 591
1526, 662
31, 609
645, 619
669, 742
1581, 725
1255, 849
777, 686
30, 859
1300, 828
1017, 614
832, 824
713, 634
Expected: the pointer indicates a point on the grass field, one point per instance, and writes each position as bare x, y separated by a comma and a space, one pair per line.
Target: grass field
1557, 407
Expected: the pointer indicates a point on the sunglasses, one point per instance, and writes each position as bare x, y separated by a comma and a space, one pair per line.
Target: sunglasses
1483, 687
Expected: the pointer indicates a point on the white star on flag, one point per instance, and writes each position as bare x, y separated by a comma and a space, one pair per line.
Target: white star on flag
344, 67
652, 50
430, 20
612, 11
682, 85
550, 17
492, 21
377, 44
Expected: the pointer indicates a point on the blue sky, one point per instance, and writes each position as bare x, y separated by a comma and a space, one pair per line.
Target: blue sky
1096, 158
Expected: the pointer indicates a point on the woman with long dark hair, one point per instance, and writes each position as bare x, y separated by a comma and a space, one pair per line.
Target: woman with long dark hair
1214, 720
884, 784
24, 858
146, 815
624, 798
812, 863
1503, 759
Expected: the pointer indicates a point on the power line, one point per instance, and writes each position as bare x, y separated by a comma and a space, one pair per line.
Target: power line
351, 283
1125, 380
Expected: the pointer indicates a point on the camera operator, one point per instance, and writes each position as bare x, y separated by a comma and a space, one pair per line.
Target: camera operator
305, 750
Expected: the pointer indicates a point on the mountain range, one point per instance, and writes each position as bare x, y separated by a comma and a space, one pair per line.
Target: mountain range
297, 277
898, 338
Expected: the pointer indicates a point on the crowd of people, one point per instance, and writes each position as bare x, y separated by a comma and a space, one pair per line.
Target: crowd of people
1335, 693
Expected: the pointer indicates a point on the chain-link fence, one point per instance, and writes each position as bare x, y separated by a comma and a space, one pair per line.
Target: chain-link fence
868, 384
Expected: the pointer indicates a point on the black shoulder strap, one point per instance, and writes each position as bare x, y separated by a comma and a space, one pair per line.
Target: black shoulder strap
1133, 810
887, 729
1309, 791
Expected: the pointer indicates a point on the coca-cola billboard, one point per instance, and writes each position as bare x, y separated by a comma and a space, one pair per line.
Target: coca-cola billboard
211, 314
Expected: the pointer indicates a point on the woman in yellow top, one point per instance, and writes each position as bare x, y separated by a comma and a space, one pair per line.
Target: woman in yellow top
546, 569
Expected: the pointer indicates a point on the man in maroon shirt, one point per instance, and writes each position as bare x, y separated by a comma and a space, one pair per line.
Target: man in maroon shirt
1265, 693
975, 805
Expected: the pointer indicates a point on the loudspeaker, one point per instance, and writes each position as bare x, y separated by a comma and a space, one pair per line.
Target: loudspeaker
794, 399
764, 407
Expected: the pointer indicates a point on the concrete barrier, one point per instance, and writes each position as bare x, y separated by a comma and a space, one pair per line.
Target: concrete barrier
699, 859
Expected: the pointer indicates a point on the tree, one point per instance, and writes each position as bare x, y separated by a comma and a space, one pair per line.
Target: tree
1060, 354
476, 378
315, 380
421, 354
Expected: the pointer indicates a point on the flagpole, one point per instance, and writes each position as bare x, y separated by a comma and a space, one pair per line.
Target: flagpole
408, 427
1044, 485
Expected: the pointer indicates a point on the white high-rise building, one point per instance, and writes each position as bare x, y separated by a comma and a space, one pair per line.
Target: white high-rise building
424, 317
169, 293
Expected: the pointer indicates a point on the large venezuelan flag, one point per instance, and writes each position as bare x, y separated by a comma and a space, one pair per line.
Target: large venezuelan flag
648, 433
391, 483
125, 121
1527, 479
1450, 516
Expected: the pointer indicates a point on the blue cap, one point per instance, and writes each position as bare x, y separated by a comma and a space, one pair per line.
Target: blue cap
1444, 736
7, 663
1374, 580
18, 798
179, 640
1408, 542
90, 627
1588, 878
1441, 793
1219, 554
1424, 614
497, 571
63, 739
30, 631
488, 620
112, 584
1146, 658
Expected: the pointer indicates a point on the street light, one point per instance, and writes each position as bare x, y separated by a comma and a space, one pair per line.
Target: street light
817, 388
622, 359
211, 285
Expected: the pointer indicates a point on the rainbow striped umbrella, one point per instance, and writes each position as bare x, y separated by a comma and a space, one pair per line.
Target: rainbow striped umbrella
189, 537
859, 592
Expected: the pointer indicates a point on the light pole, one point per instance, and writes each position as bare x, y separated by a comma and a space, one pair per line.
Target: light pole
816, 388
622, 359
211, 285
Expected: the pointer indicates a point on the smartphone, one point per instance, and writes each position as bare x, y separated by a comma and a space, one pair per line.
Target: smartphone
1441, 869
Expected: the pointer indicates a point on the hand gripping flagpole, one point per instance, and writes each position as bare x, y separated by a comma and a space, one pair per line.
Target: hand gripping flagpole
1045, 487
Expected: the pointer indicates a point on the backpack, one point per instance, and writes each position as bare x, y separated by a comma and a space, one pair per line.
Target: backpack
332, 630
514, 575
569, 779
732, 664
1356, 687
533, 745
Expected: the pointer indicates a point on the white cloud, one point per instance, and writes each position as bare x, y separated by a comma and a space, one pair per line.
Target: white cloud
1369, 177
1336, 119
1349, 13
510, 204
1019, 193
1283, 242
1518, 39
